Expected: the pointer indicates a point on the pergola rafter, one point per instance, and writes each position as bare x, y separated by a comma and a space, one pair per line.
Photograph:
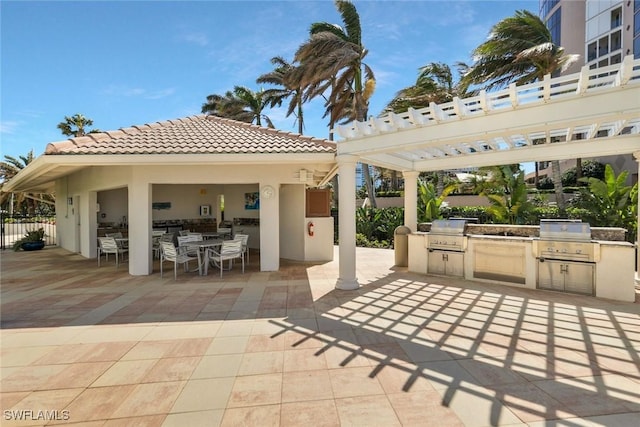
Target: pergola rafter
592, 105
592, 113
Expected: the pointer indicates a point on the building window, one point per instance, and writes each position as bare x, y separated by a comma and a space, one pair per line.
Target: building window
616, 59
547, 6
603, 46
616, 18
616, 41
554, 25
592, 51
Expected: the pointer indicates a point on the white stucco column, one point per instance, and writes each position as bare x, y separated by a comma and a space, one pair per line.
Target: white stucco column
347, 223
88, 223
140, 225
269, 226
636, 155
411, 199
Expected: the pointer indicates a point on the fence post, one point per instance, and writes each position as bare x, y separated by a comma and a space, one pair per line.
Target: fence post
2, 229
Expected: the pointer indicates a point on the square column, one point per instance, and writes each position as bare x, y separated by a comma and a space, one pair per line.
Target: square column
411, 199
140, 235
347, 223
269, 226
636, 155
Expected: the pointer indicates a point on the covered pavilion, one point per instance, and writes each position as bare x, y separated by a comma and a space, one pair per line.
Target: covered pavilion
588, 114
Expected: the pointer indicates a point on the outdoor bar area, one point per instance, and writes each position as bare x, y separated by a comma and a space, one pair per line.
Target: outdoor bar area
562, 256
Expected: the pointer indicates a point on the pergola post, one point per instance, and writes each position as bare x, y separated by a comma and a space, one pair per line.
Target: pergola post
347, 223
636, 155
411, 199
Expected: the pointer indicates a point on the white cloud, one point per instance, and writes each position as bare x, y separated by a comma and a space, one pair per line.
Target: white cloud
118, 90
158, 94
196, 38
8, 127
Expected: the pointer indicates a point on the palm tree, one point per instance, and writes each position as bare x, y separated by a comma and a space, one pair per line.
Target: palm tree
332, 60
21, 201
242, 104
76, 125
434, 83
519, 50
279, 77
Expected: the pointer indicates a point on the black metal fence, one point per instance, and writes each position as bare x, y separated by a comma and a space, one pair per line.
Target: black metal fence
14, 227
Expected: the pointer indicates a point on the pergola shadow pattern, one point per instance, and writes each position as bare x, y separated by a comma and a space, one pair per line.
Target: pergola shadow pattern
286, 348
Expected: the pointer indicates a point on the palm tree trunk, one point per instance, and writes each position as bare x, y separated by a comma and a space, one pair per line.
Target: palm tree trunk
536, 180
578, 170
369, 184
440, 183
300, 119
557, 185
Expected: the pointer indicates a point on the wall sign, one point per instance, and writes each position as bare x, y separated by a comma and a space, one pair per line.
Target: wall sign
252, 201
205, 210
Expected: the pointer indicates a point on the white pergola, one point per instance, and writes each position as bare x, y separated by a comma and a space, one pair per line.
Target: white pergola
588, 114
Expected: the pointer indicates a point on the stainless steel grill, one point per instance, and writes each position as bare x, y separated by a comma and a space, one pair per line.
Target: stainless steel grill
566, 240
566, 257
448, 235
446, 243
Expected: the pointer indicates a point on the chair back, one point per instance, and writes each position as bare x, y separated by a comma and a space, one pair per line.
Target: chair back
198, 235
108, 245
166, 237
168, 250
117, 235
184, 240
231, 247
183, 232
224, 230
244, 238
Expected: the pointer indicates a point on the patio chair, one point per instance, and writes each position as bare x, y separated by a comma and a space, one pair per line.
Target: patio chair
230, 250
170, 253
224, 232
244, 238
118, 235
108, 245
157, 248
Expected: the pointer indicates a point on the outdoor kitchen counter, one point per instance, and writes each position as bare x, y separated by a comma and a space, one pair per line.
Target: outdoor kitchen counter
511, 260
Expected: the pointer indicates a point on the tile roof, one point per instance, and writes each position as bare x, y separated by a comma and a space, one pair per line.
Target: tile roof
192, 135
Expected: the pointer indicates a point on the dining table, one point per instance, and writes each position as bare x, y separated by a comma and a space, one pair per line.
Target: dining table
203, 253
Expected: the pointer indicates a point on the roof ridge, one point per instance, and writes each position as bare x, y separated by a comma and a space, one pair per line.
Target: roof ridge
323, 141
100, 142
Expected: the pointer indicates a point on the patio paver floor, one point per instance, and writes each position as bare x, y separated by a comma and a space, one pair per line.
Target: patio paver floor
96, 346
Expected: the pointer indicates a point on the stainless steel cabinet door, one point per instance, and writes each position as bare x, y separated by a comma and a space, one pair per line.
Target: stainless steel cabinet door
551, 275
578, 277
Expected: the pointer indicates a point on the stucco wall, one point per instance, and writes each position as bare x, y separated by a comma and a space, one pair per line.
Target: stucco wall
292, 222
113, 206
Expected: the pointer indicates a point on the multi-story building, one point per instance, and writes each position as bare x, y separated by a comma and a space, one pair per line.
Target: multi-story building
602, 32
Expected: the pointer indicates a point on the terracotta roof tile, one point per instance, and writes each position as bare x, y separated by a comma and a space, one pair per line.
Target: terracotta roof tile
192, 135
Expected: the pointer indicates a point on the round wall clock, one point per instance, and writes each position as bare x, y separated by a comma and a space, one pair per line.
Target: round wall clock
268, 191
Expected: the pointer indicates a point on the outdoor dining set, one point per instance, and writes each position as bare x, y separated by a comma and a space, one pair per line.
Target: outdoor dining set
204, 249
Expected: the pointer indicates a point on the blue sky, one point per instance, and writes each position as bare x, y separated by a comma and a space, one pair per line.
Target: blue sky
124, 63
